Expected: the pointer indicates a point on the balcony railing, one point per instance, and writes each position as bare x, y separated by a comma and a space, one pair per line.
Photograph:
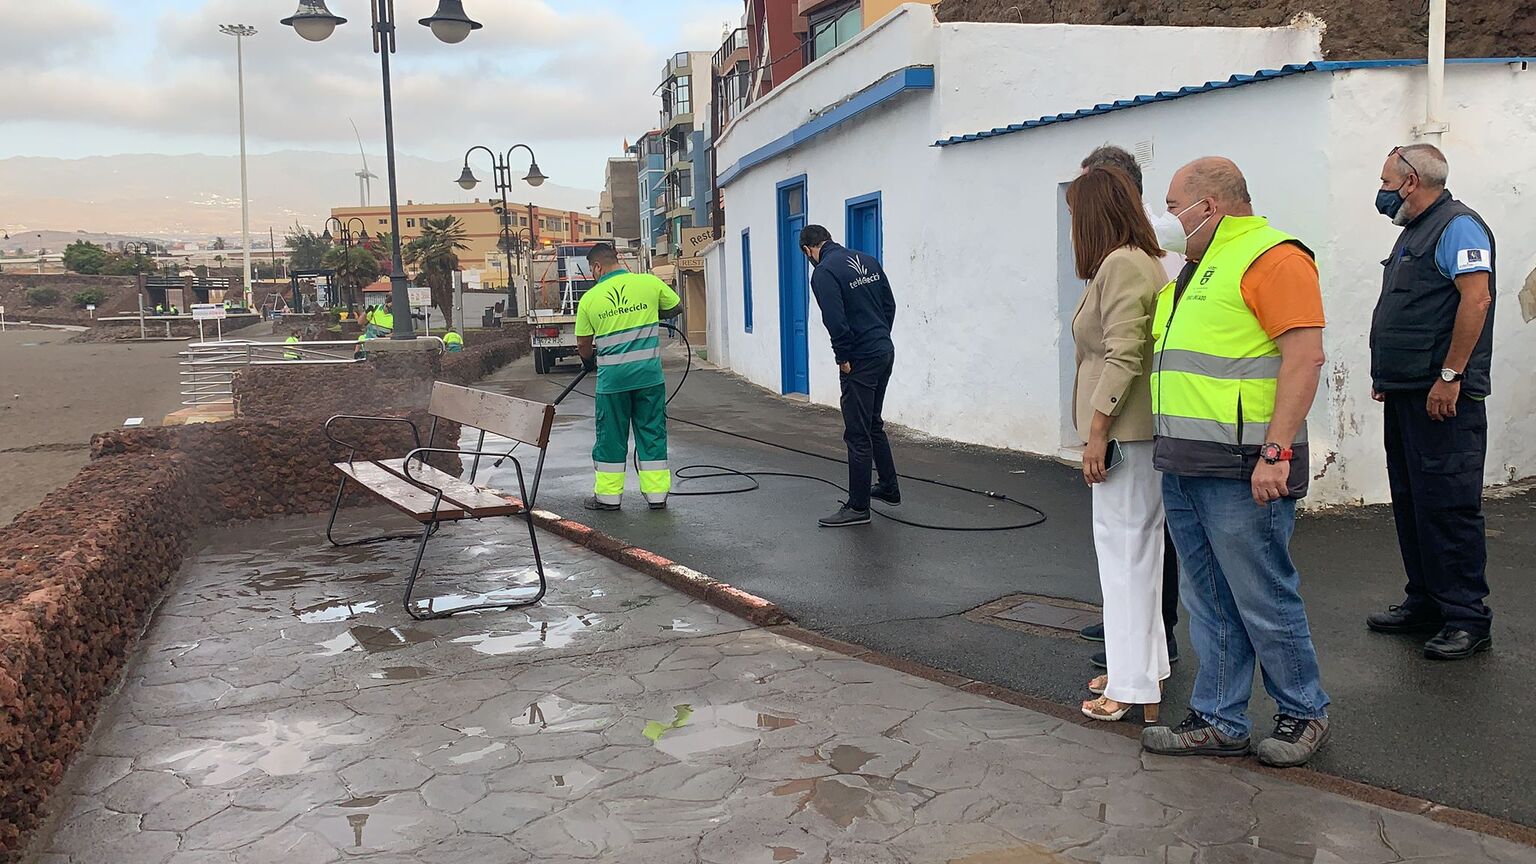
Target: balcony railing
734, 43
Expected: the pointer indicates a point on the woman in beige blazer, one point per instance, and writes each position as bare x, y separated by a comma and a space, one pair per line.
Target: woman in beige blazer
1117, 253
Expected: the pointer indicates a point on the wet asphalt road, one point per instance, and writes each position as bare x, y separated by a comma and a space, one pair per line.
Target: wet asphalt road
1455, 733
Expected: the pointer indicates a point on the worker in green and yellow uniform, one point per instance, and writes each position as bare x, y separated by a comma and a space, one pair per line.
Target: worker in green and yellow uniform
360, 352
382, 323
289, 354
453, 341
618, 333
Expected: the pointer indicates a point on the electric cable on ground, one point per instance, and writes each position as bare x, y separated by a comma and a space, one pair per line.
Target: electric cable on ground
705, 472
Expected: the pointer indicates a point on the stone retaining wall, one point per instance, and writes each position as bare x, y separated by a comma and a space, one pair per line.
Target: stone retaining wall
81, 572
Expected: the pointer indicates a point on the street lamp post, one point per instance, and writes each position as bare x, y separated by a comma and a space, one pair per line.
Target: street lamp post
240, 31
314, 22
502, 177
344, 231
512, 245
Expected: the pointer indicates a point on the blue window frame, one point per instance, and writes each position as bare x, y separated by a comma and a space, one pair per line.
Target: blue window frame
746, 278
863, 229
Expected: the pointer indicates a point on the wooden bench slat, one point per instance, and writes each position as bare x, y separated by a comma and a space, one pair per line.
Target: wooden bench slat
405, 496
507, 416
478, 502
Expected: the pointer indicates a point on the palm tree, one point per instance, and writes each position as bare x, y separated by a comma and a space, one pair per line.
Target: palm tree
355, 268
434, 254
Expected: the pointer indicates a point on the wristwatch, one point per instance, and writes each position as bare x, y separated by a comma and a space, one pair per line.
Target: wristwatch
1274, 454
1450, 376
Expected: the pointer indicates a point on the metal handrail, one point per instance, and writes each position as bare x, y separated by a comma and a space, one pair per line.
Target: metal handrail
208, 368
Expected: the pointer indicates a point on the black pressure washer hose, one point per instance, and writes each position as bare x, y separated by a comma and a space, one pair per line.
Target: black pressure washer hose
705, 472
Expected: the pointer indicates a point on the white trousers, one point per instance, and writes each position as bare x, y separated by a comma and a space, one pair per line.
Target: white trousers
1128, 537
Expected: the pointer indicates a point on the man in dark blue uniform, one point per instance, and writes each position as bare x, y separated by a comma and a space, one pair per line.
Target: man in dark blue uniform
1431, 361
858, 309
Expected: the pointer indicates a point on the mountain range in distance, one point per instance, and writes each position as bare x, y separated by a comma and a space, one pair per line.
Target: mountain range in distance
195, 196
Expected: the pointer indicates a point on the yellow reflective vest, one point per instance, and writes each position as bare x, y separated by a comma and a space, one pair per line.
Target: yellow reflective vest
1214, 369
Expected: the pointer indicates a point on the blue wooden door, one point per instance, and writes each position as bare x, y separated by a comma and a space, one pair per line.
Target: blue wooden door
794, 292
864, 225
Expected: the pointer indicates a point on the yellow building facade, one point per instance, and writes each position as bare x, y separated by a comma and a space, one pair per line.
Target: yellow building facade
481, 225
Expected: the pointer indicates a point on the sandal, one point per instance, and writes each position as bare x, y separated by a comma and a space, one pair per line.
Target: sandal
1098, 685
1098, 709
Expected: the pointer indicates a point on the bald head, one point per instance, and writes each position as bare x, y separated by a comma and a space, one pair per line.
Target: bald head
1217, 178
1201, 194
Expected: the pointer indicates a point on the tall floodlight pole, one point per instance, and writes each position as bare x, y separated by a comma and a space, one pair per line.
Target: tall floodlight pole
240, 31
314, 22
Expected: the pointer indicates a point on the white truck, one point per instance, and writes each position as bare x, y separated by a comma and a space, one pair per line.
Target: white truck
559, 279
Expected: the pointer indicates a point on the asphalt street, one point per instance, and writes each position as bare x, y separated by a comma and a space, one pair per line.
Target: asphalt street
1454, 733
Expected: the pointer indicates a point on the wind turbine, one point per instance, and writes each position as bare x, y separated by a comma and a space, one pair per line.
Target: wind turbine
364, 188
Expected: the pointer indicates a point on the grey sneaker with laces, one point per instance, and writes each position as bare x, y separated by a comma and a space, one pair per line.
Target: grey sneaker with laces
1294, 741
1192, 737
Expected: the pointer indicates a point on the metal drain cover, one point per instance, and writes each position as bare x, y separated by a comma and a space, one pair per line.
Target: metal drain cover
1048, 616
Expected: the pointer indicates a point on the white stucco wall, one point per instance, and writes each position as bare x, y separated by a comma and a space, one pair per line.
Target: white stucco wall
1492, 113
973, 234
991, 75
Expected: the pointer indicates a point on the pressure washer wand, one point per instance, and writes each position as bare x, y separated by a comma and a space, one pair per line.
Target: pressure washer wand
571, 386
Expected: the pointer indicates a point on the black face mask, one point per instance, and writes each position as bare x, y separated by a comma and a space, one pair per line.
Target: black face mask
1390, 201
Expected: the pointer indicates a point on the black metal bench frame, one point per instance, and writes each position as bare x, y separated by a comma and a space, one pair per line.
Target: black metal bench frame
518, 433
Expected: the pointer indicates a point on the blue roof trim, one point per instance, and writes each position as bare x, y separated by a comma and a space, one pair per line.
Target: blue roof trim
887, 88
1209, 86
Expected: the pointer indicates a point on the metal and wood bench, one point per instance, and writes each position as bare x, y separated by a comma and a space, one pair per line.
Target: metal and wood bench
432, 496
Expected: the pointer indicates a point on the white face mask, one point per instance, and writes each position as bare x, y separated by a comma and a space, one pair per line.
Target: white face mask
1170, 231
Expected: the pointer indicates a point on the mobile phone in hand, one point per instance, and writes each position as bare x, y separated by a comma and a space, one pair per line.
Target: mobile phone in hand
1113, 455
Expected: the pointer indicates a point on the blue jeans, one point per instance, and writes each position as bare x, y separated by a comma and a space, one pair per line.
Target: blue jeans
1244, 602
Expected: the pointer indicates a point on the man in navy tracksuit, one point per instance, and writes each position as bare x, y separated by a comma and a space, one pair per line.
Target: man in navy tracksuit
858, 308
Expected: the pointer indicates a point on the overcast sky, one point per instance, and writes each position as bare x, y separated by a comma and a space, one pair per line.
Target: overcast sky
572, 78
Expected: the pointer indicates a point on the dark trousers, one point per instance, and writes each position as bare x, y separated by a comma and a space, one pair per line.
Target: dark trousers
1435, 469
864, 429
1170, 582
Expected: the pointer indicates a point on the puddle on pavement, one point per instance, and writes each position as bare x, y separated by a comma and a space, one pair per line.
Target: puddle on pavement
455, 602
1016, 855
785, 853
847, 759
399, 673
693, 731
364, 830
335, 610
278, 750
373, 640
540, 634
678, 625
477, 755
561, 715
363, 802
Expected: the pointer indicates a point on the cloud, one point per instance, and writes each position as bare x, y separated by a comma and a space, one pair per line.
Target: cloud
51, 32
553, 77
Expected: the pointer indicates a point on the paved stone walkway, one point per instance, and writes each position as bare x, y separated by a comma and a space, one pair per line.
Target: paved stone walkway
284, 709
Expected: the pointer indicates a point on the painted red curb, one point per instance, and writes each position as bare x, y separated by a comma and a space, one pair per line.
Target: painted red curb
753, 608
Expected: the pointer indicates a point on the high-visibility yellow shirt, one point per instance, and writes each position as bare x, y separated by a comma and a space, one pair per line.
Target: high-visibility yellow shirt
622, 314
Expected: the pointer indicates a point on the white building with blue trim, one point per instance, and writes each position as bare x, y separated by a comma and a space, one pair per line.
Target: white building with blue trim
945, 150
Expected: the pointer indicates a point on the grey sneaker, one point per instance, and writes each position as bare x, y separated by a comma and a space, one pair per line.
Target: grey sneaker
1293, 743
1192, 737
845, 517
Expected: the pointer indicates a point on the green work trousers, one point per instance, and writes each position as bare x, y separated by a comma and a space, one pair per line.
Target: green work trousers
645, 411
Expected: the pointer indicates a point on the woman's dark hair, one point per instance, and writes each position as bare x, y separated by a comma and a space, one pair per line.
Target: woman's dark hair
1106, 215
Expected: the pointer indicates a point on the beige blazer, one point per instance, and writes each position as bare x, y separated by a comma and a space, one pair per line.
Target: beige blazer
1112, 329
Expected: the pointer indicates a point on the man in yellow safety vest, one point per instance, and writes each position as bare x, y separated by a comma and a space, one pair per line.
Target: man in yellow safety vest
618, 333
453, 342
1237, 351
293, 339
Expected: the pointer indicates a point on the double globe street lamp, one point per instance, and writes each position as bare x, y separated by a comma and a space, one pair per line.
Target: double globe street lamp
314, 22
502, 176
